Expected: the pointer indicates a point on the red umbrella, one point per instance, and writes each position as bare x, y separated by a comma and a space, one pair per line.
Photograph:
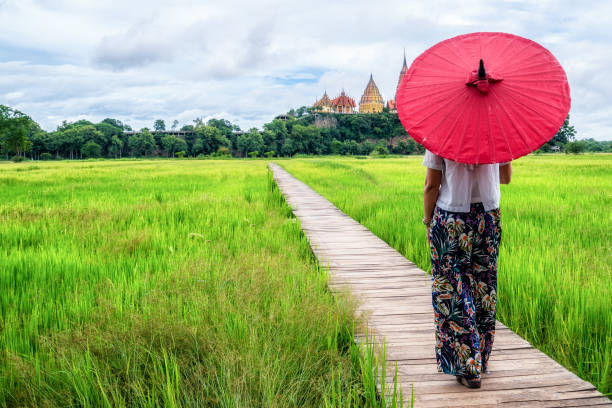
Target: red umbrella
484, 98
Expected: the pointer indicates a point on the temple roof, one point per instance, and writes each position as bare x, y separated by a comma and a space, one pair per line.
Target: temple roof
371, 93
324, 101
391, 104
402, 73
343, 100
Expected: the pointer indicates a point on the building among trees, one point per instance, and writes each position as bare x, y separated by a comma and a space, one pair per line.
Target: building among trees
371, 100
343, 104
324, 104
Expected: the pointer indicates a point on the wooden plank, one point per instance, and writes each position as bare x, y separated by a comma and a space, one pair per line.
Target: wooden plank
394, 304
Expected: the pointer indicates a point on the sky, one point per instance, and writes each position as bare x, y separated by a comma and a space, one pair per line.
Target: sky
248, 61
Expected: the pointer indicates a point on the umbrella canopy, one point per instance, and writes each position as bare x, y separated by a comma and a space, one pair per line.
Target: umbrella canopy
484, 98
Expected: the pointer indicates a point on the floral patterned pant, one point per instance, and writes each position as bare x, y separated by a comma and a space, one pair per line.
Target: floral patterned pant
464, 250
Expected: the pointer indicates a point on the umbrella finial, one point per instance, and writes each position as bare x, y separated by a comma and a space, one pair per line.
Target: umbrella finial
482, 74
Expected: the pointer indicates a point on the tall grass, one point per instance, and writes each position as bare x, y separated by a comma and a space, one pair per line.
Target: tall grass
555, 265
167, 283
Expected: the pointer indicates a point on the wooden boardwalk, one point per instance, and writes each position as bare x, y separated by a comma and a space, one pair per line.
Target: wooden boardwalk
395, 296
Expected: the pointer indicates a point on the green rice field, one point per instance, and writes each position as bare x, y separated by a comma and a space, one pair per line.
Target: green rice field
555, 265
167, 283
189, 282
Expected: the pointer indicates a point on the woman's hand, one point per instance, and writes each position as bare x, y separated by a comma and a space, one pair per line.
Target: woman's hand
505, 173
433, 179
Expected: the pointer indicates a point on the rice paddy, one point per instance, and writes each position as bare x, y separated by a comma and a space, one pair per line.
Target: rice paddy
189, 283
167, 283
555, 265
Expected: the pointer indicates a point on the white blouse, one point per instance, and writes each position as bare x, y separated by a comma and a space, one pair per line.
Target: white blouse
463, 184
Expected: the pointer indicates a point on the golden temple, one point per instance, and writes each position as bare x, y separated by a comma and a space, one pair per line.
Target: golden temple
371, 100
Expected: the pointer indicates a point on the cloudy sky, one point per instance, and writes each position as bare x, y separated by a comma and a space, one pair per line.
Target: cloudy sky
247, 61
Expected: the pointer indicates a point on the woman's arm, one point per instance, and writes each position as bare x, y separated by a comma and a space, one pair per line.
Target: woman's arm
432, 188
505, 173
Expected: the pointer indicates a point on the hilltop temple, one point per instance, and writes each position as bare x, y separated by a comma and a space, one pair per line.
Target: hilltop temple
371, 100
342, 104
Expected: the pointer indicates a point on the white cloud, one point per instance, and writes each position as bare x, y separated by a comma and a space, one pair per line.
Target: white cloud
248, 61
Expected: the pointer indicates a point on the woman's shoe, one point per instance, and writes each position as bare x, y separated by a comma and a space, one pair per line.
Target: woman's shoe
468, 383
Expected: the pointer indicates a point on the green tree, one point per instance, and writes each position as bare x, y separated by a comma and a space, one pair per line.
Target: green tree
380, 149
116, 147
566, 134
173, 144
68, 125
148, 142
39, 141
89, 133
249, 142
301, 111
227, 128
142, 143
274, 135
208, 140
91, 149
117, 123
223, 151
119, 130
350, 147
288, 147
576, 147
336, 146
14, 130
367, 147
71, 141
109, 131
308, 140
159, 125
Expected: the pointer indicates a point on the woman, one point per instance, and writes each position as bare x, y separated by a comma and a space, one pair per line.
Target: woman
463, 230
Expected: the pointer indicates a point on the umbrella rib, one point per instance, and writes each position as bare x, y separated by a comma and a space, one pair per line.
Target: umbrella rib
447, 60
512, 121
432, 113
457, 107
532, 98
531, 109
416, 98
527, 57
434, 69
549, 79
491, 150
503, 51
457, 51
541, 91
510, 57
529, 74
427, 84
478, 133
501, 128
432, 76
465, 127
526, 67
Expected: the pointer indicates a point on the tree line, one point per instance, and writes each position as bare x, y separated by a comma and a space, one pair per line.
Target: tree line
300, 131
22, 137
